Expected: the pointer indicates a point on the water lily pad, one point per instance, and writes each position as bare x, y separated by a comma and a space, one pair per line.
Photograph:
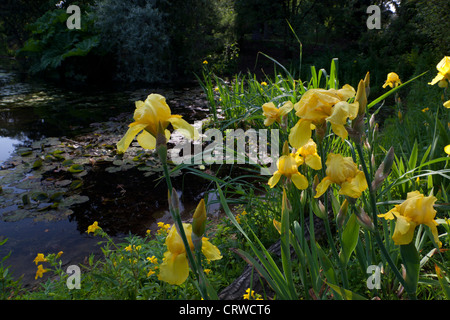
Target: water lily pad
76, 168
117, 162
15, 215
113, 169
39, 196
76, 184
63, 183
57, 196
74, 199
67, 162
25, 199
37, 164
26, 153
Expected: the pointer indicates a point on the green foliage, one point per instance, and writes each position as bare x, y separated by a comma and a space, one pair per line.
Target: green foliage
9, 287
135, 34
51, 43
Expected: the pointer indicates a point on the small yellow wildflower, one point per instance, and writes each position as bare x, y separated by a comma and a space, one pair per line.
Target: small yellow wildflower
150, 273
425, 109
40, 271
264, 83
250, 294
163, 228
130, 248
40, 258
59, 254
93, 227
207, 271
205, 61
152, 259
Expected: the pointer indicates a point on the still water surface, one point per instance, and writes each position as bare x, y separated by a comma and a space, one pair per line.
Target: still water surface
31, 110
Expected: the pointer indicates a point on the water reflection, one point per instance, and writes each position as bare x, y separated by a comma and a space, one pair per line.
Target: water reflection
7, 146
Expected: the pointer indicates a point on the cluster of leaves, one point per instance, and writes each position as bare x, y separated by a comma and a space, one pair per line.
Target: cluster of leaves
127, 270
51, 43
132, 41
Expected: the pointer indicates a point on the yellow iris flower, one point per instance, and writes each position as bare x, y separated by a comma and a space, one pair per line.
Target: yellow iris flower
273, 114
148, 115
318, 106
443, 68
175, 267
447, 149
416, 209
288, 166
443, 76
393, 80
309, 155
343, 172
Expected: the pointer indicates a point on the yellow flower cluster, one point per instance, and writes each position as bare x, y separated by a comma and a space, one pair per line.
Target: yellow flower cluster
251, 295
163, 228
41, 258
239, 216
154, 261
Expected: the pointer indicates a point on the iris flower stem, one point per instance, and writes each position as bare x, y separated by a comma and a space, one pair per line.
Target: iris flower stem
178, 223
376, 233
328, 230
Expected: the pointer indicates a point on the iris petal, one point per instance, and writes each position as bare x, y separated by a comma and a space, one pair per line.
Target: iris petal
174, 269
274, 179
300, 134
299, 181
323, 186
210, 251
184, 128
125, 142
404, 231
146, 140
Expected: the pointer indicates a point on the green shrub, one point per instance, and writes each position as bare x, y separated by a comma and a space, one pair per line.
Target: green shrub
53, 46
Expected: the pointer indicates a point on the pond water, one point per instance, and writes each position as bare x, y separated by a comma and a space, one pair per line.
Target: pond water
47, 119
